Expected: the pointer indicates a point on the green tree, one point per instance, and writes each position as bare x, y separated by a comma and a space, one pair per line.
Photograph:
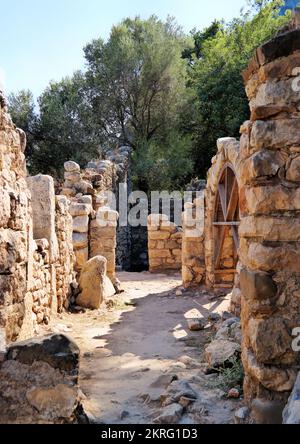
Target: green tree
66, 130
219, 102
23, 112
137, 86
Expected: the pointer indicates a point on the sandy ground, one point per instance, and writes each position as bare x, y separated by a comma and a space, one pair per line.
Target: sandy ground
143, 337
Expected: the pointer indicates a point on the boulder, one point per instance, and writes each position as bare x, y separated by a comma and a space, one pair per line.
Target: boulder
291, 413
39, 382
177, 390
196, 324
55, 402
220, 351
94, 284
71, 167
170, 415
57, 350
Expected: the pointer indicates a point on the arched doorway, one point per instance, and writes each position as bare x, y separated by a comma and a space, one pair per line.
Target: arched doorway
226, 221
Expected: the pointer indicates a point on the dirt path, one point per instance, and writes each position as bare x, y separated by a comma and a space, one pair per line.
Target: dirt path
144, 340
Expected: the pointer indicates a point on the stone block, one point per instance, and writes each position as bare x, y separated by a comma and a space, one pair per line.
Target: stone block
80, 240
80, 209
275, 134
82, 257
43, 211
257, 285
271, 342
81, 224
94, 284
270, 377
159, 235
58, 351
293, 171
71, 167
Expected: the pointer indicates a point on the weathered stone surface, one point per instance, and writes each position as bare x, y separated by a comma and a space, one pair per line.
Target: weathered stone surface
271, 341
291, 413
58, 402
94, 284
71, 167
281, 46
241, 415
43, 210
261, 164
80, 209
293, 171
164, 244
170, 415
39, 384
270, 257
271, 377
13, 250
58, 351
80, 240
196, 324
279, 94
275, 134
257, 285
81, 224
270, 228
82, 256
219, 352
267, 199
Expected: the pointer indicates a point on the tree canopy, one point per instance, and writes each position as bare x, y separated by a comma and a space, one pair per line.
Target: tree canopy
168, 95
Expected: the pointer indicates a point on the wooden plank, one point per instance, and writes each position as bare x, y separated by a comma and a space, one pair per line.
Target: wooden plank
233, 202
222, 194
219, 242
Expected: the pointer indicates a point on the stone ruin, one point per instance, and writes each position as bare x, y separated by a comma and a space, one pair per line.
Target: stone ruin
55, 250
243, 233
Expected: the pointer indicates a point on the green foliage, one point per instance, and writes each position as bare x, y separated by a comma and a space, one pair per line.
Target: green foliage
22, 109
167, 95
137, 84
167, 169
137, 79
231, 375
221, 53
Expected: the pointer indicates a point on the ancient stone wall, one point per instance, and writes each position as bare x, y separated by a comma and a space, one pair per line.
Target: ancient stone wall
164, 244
15, 215
193, 250
65, 274
270, 225
94, 218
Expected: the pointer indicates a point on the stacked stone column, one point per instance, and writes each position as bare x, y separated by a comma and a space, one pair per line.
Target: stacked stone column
270, 226
103, 238
193, 251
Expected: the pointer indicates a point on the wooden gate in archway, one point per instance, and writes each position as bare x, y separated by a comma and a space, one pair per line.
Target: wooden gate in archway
225, 228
